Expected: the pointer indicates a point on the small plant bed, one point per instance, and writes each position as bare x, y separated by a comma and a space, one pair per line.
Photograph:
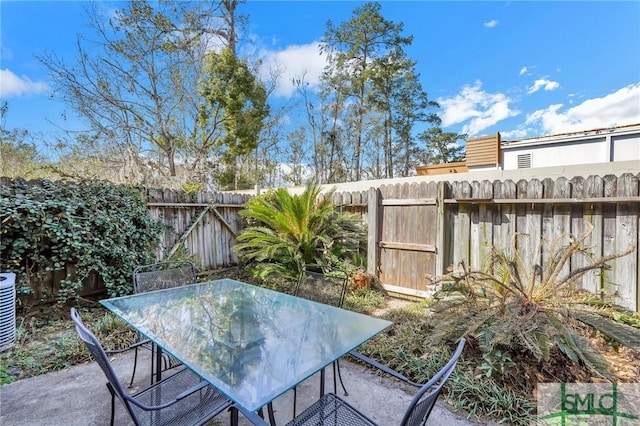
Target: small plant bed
505, 392
524, 323
47, 341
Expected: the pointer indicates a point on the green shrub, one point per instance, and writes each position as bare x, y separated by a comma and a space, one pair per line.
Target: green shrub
80, 229
513, 309
287, 231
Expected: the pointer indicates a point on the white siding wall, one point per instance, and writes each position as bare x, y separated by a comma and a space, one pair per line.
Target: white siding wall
564, 154
625, 147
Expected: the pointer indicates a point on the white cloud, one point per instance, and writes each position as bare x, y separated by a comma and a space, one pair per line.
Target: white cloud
543, 83
523, 71
518, 133
615, 109
491, 24
479, 108
13, 86
293, 63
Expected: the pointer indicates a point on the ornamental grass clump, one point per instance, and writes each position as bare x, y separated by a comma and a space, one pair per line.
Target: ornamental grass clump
514, 312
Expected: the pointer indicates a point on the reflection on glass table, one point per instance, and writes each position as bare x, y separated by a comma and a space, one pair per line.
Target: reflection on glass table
251, 343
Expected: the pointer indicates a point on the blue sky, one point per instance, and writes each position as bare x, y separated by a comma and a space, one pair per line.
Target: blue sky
520, 68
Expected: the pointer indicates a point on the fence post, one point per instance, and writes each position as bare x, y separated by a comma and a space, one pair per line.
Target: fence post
373, 219
440, 229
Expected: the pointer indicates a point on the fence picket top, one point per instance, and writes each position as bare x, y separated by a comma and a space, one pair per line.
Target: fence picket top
356, 197
521, 188
610, 185
414, 190
406, 188
627, 185
432, 189
475, 189
461, 189
485, 191
534, 189
594, 186
447, 190
505, 190
548, 188
562, 188
364, 197
155, 195
578, 187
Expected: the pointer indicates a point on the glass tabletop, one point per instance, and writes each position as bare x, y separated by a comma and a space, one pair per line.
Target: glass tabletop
251, 343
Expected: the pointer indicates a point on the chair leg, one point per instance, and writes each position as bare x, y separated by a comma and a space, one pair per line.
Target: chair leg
335, 379
233, 416
113, 403
337, 364
135, 364
295, 397
272, 416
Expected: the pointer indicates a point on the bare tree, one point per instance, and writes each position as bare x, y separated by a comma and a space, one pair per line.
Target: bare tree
135, 79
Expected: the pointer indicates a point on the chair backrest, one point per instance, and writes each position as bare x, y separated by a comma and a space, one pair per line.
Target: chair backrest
321, 283
161, 275
98, 353
423, 402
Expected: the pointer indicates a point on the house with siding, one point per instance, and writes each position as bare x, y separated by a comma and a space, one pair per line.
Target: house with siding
486, 153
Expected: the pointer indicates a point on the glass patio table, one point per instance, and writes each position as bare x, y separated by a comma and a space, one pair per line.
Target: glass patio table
251, 343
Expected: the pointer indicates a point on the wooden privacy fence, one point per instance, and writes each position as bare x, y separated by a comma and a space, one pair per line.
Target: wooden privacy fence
418, 230
199, 227
202, 227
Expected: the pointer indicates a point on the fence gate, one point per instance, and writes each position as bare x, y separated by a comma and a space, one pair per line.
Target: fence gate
404, 251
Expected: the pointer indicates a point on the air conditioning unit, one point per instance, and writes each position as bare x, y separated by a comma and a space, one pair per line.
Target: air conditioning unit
7, 310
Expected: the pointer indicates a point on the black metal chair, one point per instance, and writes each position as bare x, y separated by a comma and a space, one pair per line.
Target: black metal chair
162, 275
331, 410
179, 399
322, 283
158, 276
328, 285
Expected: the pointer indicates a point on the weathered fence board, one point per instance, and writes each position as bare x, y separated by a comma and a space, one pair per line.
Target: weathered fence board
625, 274
594, 187
201, 226
405, 250
461, 224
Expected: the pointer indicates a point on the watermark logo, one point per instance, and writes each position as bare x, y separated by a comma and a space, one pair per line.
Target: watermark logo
569, 404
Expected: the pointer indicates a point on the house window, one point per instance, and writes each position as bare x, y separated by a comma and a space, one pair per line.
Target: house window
524, 161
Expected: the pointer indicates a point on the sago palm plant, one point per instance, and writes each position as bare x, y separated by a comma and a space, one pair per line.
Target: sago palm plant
287, 231
510, 307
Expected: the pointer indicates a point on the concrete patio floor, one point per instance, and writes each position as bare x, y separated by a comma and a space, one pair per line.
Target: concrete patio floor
78, 396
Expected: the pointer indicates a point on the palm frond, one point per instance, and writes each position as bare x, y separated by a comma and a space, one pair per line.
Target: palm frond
591, 356
578, 348
623, 334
